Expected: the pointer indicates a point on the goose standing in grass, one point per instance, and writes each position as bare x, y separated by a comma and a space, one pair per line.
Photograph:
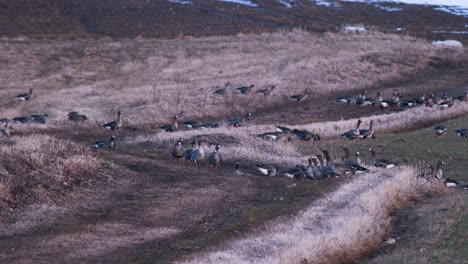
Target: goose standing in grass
382, 163
463, 133
215, 157
237, 122
170, 127
188, 153
5, 132
198, 154
367, 133
25, 96
266, 91
353, 133
301, 97
178, 150
102, 143
268, 169
440, 130
76, 117
114, 125
244, 89
333, 168
438, 173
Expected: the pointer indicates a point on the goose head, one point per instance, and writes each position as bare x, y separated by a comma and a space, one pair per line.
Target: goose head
30, 91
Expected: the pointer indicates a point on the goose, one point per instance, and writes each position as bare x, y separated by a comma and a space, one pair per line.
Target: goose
76, 117
243, 89
283, 129
438, 173
367, 133
463, 133
25, 96
446, 104
306, 135
301, 97
237, 122
188, 153
222, 91
266, 91
102, 143
209, 125
295, 172
198, 154
215, 157
451, 183
268, 169
381, 102
192, 124
382, 163
22, 119
344, 100
355, 165
353, 133
361, 99
114, 125
170, 127
4, 121
275, 136
440, 130
39, 118
316, 171
178, 150
420, 99
5, 132
237, 171
333, 168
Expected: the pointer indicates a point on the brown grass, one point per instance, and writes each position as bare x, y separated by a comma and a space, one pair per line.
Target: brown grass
39, 168
151, 80
341, 227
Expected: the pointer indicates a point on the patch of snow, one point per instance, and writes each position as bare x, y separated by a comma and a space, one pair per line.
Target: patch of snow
388, 9
449, 32
241, 2
448, 43
327, 3
456, 7
355, 28
182, 2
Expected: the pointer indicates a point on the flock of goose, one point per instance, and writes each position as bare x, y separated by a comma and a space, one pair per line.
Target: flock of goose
397, 100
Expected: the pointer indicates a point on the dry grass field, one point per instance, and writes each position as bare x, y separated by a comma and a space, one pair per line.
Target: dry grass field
61, 201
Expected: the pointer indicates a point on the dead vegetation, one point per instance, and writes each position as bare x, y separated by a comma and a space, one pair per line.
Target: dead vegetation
40, 169
342, 226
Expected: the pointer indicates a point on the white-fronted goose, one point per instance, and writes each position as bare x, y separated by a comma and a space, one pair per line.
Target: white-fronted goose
353, 133
5, 132
305, 135
222, 91
114, 125
198, 154
355, 165
243, 89
22, 119
188, 153
440, 130
301, 97
268, 169
102, 143
335, 168
367, 133
266, 91
215, 157
463, 133
178, 150
316, 171
382, 163
438, 173
42, 119
170, 127
237, 122
76, 117
25, 96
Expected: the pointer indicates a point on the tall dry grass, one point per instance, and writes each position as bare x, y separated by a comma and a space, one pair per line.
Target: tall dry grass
150, 80
341, 227
38, 168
